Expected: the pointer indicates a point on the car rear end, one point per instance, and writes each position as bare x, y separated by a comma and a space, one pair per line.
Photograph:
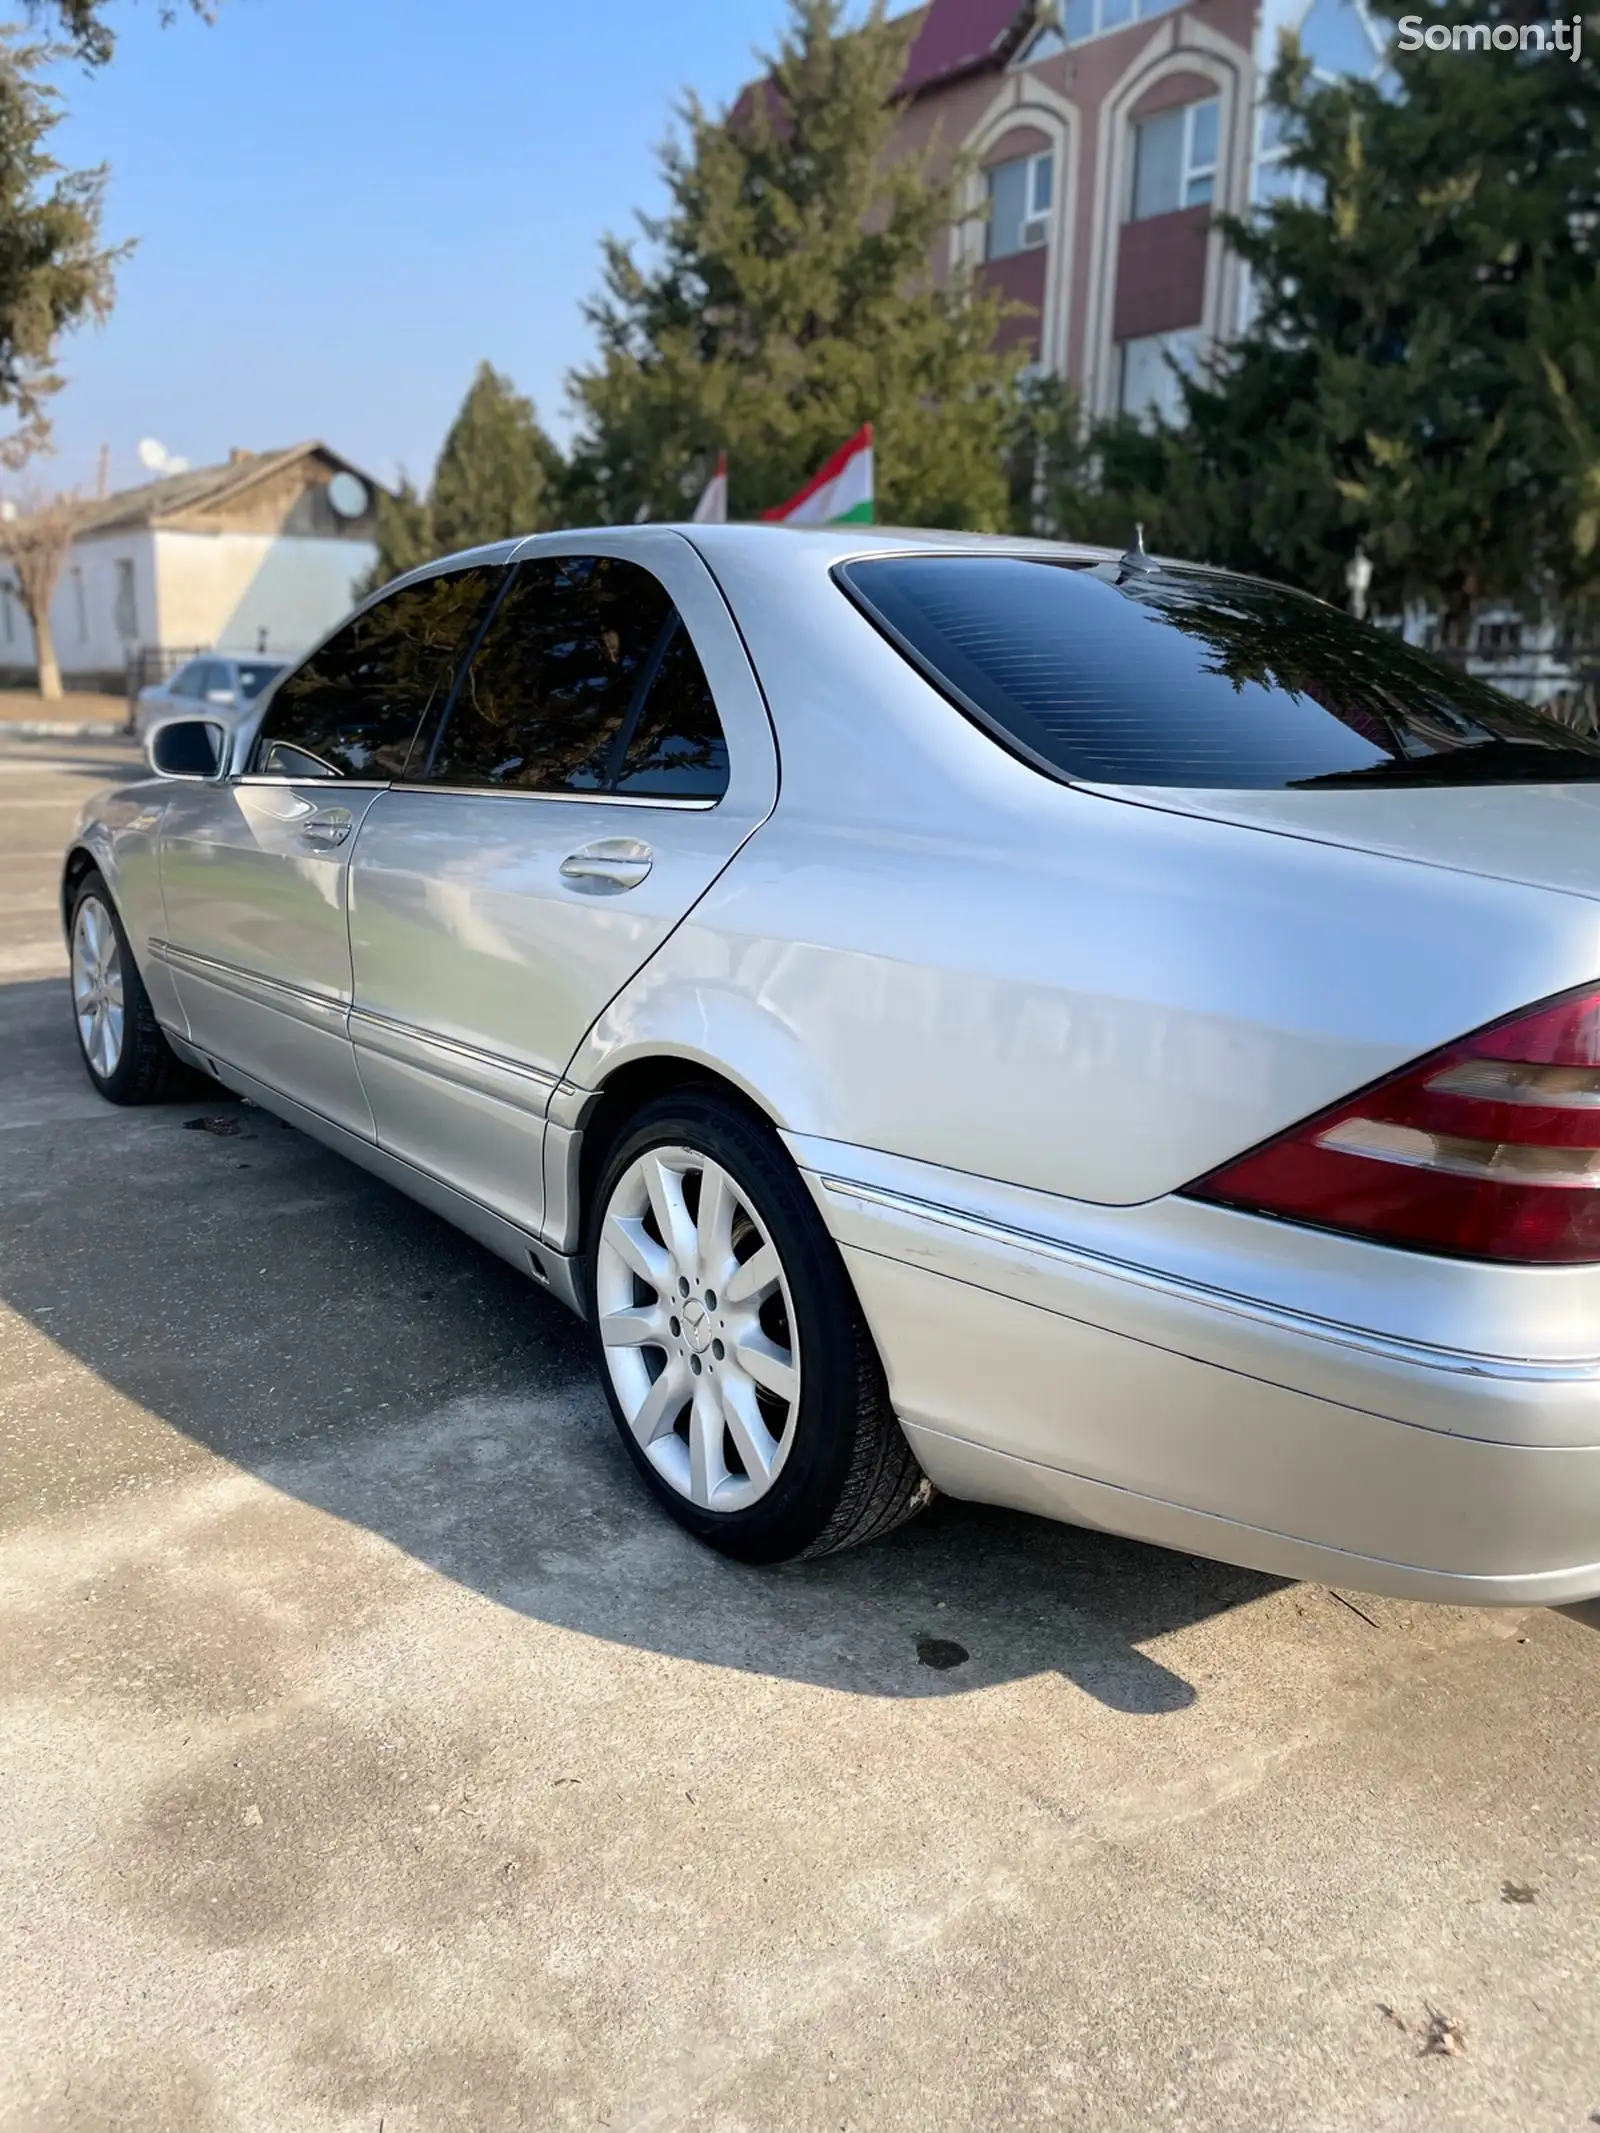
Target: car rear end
1363, 1342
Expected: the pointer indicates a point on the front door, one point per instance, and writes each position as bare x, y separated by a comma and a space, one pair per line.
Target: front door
253, 876
255, 870
606, 754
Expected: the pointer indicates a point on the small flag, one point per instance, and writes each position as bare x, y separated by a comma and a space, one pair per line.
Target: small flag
839, 493
712, 509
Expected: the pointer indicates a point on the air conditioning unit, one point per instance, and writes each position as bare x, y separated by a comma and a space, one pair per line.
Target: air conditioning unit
1035, 232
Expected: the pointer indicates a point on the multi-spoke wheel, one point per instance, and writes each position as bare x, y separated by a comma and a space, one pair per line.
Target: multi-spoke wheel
97, 987
697, 1324
734, 1355
128, 1059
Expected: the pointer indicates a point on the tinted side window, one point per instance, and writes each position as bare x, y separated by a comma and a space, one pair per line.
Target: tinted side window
1188, 677
549, 690
676, 750
354, 708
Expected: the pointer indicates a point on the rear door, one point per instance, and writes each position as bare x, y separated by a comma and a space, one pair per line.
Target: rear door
254, 869
606, 754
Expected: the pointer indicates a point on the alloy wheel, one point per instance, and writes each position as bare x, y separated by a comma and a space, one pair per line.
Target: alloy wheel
97, 986
697, 1325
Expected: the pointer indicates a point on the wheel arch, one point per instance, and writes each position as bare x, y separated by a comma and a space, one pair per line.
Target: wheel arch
635, 1082
81, 859
661, 1035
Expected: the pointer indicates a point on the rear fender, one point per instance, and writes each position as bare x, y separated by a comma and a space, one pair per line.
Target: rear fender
672, 1014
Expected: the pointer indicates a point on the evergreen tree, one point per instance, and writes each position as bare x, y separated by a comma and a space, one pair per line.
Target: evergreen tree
1422, 373
54, 272
405, 534
497, 472
787, 299
91, 36
1076, 481
497, 475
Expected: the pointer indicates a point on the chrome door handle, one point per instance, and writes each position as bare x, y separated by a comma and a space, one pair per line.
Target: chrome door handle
328, 827
602, 869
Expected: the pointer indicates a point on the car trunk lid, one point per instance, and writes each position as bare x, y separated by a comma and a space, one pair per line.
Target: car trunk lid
1547, 836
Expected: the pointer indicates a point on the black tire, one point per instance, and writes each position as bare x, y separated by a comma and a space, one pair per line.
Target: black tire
147, 1070
849, 1475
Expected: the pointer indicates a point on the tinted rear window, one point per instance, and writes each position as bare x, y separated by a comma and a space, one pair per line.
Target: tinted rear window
1187, 677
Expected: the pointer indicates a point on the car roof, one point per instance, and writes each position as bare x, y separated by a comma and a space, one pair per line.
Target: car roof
839, 543
827, 544
821, 546
842, 544
234, 659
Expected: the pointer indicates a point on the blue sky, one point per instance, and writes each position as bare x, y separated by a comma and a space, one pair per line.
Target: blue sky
342, 205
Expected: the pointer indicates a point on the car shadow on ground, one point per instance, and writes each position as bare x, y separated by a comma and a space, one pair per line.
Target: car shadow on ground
276, 1305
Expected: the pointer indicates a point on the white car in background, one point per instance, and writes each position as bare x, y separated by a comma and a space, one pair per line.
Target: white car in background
222, 685
1111, 1038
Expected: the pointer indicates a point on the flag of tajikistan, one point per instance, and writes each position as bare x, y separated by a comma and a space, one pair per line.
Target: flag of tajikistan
712, 509
839, 493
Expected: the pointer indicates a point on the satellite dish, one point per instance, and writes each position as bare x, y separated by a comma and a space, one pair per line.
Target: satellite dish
348, 496
154, 455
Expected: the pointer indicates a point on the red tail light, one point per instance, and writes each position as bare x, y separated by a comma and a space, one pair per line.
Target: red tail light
1489, 1149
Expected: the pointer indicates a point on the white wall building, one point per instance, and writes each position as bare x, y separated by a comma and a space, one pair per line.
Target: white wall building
264, 553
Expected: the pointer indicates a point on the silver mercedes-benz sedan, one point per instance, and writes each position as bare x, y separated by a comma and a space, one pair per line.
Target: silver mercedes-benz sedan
1105, 1037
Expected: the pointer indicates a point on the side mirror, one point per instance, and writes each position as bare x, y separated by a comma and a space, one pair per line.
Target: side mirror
220, 696
187, 748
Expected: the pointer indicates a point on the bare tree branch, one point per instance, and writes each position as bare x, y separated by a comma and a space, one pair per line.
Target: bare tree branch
36, 543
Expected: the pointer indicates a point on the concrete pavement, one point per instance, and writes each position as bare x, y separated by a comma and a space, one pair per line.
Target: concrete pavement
373, 1755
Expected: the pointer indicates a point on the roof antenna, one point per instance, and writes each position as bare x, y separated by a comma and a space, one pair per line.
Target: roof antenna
1134, 557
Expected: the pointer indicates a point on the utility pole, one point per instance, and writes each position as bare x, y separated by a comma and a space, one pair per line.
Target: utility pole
102, 487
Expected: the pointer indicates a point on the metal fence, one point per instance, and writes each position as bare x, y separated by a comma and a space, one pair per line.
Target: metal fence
148, 663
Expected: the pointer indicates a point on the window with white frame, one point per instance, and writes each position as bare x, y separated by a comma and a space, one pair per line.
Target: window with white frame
1020, 193
1174, 160
1083, 19
1149, 386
